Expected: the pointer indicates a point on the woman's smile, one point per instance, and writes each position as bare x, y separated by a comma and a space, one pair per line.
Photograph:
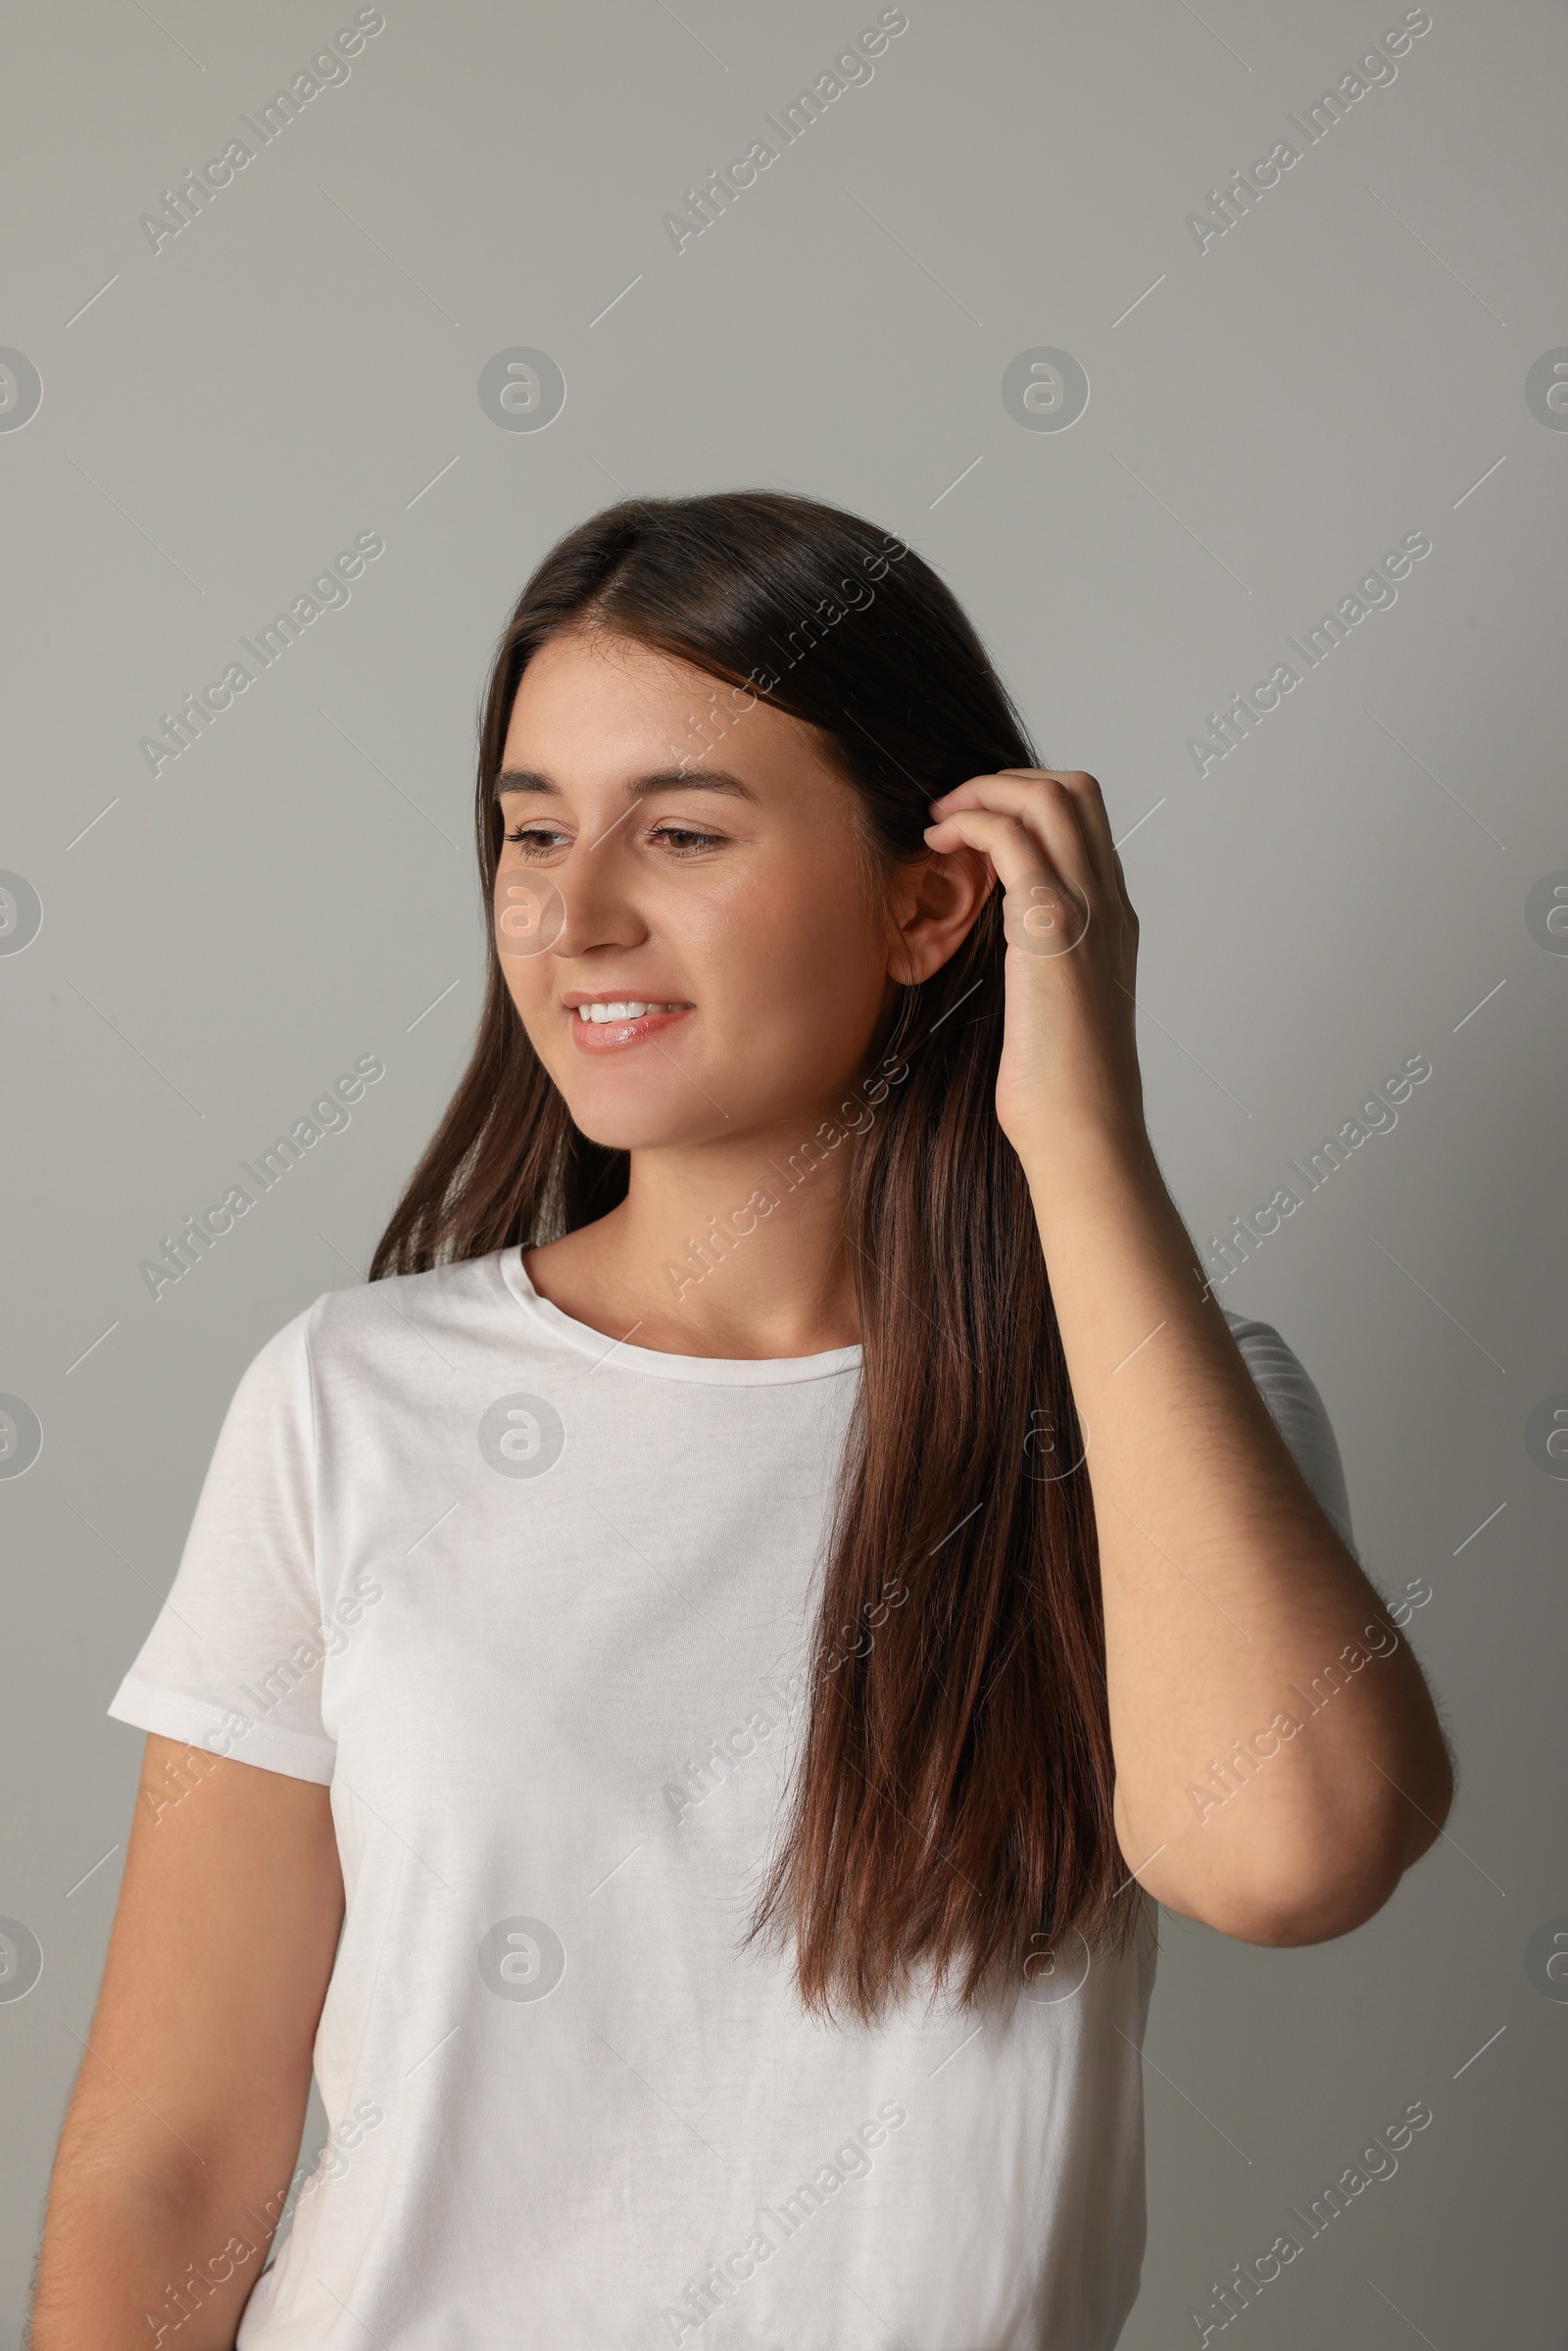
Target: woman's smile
608, 1024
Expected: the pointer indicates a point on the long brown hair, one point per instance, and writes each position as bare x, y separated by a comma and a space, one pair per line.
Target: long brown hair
951, 1808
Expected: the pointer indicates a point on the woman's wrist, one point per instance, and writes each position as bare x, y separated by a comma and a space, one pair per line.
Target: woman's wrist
1085, 1142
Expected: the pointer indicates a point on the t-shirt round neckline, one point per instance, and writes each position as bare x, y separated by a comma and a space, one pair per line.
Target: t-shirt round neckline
729, 1371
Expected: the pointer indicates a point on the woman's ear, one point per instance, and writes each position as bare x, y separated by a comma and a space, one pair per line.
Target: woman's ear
936, 902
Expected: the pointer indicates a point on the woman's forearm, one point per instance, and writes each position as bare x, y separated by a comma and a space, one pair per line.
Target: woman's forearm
183, 2128
1232, 1609
131, 2263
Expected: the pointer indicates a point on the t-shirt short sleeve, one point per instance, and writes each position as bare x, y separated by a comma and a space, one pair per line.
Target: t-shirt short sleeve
233, 1662
1300, 1415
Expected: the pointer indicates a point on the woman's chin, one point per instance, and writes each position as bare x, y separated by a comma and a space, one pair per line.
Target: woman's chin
625, 1127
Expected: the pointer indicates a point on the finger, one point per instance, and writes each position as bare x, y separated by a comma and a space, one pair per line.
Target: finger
1050, 801
1128, 909
1046, 903
1094, 817
1044, 913
1088, 805
1043, 810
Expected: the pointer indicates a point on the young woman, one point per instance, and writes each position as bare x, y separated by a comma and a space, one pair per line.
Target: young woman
780, 1568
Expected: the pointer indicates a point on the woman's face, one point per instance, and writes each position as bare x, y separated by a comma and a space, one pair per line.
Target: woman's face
712, 887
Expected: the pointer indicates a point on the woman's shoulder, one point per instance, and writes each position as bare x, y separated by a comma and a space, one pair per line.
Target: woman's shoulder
365, 1322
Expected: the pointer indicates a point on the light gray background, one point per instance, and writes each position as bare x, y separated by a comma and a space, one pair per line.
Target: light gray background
1348, 888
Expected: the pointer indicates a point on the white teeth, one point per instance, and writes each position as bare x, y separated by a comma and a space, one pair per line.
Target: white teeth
622, 1011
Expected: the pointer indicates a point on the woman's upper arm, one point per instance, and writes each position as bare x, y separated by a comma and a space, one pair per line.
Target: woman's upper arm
199, 2065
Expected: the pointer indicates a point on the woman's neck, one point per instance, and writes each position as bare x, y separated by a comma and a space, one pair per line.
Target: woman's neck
735, 1249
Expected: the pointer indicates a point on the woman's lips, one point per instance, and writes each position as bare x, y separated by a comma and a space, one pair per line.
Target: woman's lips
614, 1035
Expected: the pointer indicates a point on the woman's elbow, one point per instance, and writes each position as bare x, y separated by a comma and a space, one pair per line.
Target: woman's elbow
1328, 1879
1305, 1909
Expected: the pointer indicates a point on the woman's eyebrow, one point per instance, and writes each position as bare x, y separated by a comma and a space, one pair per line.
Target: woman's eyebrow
660, 779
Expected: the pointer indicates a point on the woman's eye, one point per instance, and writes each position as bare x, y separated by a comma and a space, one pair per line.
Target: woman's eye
684, 841
679, 840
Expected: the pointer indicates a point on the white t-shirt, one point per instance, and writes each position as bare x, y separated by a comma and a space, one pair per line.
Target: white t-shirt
535, 1605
